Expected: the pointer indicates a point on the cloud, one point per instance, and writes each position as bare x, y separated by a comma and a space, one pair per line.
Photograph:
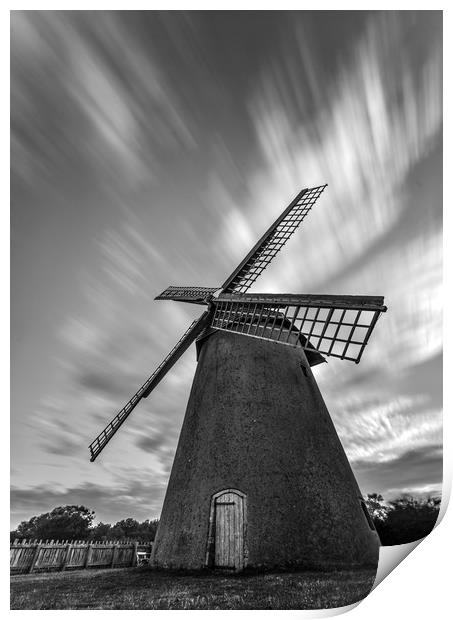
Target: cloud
380, 432
109, 113
371, 127
413, 471
151, 444
425, 378
62, 446
139, 500
79, 333
98, 382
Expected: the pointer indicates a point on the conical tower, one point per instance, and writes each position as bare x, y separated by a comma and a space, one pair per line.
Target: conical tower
260, 477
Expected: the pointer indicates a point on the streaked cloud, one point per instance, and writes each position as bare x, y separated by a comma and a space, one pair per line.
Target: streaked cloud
121, 112
182, 158
413, 472
109, 501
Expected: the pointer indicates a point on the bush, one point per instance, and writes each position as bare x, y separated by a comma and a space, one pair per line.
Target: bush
403, 520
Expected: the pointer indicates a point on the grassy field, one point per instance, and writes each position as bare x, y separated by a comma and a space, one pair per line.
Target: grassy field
143, 588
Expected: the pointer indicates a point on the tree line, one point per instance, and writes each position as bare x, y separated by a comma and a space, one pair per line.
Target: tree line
397, 522
76, 523
402, 520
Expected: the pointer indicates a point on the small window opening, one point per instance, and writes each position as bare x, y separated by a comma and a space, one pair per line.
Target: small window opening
304, 369
367, 515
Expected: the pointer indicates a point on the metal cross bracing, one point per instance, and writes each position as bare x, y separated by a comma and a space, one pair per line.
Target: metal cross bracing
337, 326
272, 241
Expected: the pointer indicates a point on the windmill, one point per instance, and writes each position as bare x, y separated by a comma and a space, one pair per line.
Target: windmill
260, 477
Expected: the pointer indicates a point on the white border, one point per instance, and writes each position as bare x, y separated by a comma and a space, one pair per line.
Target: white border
417, 588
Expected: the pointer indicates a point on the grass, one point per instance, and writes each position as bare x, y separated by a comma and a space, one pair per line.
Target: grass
144, 588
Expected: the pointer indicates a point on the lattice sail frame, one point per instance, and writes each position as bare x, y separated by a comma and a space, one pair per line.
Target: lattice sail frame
272, 241
188, 294
337, 326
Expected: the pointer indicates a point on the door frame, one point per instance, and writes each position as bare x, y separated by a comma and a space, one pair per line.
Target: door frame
210, 546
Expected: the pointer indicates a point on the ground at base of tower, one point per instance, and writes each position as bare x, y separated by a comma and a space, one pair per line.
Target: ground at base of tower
144, 588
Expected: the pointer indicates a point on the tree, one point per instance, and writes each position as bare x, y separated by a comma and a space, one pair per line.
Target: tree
101, 531
147, 530
62, 523
402, 520
377, 509
409, 519
128, 527
75, 523
131, 528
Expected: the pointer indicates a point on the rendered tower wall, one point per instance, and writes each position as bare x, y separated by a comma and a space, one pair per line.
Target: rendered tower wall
256, 422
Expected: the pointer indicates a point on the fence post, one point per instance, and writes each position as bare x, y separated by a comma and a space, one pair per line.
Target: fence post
66, 557
35, 557
115, 547
88, 556
134, 556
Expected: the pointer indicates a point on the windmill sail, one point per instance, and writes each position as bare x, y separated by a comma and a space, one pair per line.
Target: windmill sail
272, 241
189, 294
334, 325
182, 345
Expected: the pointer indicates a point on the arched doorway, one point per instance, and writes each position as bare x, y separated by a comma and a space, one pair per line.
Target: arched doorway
226, 546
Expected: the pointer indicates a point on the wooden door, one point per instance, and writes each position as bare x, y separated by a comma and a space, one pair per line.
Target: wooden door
229, 531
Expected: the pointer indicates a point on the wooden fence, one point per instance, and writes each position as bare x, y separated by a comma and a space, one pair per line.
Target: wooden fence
39, 555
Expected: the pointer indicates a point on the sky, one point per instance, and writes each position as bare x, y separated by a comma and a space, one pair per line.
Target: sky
151, 149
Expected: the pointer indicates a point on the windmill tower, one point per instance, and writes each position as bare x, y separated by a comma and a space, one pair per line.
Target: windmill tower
260, 477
